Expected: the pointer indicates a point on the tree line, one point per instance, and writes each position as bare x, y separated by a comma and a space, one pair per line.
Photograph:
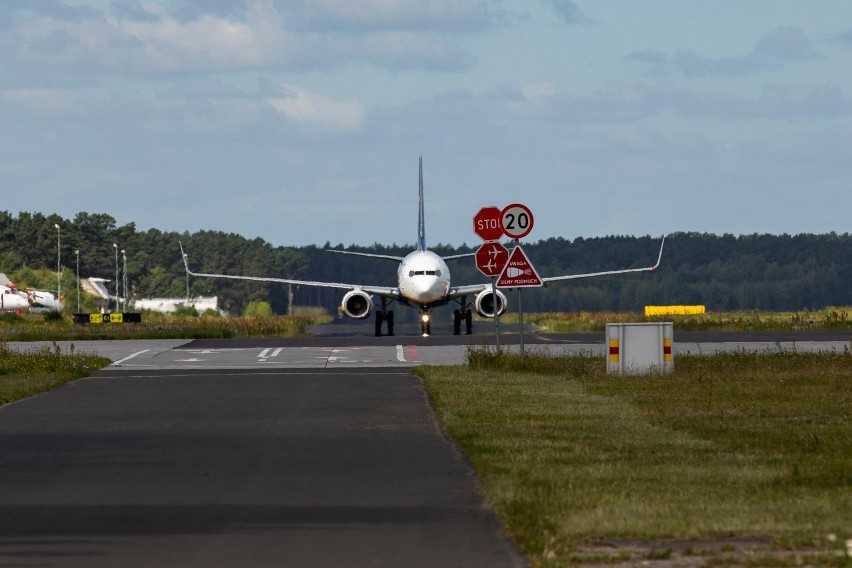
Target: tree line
723, 272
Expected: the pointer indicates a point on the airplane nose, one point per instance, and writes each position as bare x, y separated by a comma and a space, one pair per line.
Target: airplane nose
431, 288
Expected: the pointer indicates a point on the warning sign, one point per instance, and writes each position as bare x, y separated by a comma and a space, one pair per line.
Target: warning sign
518, 272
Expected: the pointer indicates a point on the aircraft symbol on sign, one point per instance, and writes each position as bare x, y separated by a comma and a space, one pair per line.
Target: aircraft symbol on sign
496, 251
491, 258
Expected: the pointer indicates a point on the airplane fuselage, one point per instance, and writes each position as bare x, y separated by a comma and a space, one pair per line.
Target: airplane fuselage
424, 279
11, 299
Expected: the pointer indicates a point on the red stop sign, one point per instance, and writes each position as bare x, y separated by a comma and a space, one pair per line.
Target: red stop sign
488, 223
491, 258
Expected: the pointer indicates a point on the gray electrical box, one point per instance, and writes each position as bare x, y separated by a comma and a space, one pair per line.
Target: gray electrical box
637, 348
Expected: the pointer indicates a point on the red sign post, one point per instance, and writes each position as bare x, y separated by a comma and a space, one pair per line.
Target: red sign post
487, 223
490, 224
491, 258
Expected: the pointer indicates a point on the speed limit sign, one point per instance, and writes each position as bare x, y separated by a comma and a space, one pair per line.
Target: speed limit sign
517, 221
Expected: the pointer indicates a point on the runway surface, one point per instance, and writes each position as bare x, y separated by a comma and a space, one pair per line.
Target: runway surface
239, 468
316, 451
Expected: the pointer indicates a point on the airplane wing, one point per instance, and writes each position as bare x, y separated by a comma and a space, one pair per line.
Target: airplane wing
367, 254
458, 291
382, 291
457, 256
550, 279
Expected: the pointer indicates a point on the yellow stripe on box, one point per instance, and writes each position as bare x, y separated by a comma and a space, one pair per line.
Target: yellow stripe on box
673, 310
613, 351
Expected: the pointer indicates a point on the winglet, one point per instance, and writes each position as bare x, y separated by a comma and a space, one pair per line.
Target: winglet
183, 256
660, 256
421, 219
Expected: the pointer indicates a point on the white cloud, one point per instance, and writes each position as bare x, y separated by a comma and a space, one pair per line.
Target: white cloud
538, 90
366, 15
262, 35
209, 40
771, 53
316, 111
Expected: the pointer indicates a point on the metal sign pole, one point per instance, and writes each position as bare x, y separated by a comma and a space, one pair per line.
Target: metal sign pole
496, 311
521, 316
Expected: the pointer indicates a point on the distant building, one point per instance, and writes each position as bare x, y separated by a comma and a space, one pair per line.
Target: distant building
98, 287
168, 305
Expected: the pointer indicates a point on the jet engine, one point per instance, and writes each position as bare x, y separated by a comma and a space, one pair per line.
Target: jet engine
485, 303
357, 304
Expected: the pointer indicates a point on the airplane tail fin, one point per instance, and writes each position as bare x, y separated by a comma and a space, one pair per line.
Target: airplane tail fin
421, 221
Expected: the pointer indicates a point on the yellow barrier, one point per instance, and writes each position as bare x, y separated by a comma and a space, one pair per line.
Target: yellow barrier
673, 310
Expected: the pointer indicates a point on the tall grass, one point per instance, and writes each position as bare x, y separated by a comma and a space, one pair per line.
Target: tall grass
728, 445
25, 373
832, 318
154, 326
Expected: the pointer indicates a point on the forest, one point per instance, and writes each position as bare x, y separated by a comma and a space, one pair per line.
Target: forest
722, 272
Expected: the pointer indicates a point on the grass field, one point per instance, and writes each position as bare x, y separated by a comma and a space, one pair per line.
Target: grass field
24, 374
154, 326
171, 326
826, 318
735, 459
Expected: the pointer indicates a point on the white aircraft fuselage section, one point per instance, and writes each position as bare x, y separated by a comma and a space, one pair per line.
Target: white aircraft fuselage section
11, 299
424, 278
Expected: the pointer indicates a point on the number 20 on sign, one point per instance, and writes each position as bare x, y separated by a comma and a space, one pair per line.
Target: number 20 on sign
517, 221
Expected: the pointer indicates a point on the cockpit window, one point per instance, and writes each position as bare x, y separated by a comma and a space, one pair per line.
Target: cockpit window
424, 273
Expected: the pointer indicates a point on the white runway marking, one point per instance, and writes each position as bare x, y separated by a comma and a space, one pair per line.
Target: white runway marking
265, 354
129, 357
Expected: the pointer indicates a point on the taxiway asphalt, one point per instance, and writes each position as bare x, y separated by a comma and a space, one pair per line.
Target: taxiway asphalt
264, 467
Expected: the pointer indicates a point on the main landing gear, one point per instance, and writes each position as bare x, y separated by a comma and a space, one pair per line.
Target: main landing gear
384, 315
463, 315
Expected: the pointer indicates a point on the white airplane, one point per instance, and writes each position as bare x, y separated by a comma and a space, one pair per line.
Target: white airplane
14, 299
11, 299
423, 282
41, 301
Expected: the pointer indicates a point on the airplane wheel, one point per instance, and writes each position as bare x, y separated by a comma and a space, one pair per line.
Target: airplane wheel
379, 319
457, 319
468, 322
390, 322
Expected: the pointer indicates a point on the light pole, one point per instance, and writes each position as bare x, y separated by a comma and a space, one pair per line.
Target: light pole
77, 254
115, 246
58, 268
124, 279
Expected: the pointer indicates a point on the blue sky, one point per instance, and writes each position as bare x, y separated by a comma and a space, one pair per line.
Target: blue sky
301, 121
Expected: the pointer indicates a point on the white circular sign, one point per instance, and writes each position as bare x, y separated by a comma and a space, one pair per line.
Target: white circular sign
517, 221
